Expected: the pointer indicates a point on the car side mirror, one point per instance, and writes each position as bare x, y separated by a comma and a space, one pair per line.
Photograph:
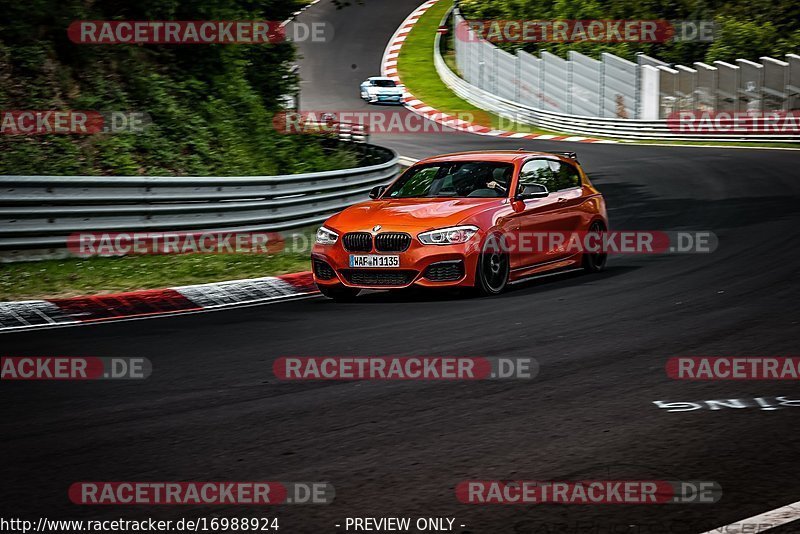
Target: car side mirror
532, 191
377, 191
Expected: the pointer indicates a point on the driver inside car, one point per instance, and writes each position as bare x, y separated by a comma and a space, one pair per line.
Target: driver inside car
500, 180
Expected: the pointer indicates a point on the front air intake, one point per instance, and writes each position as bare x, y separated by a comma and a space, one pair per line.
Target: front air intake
392, 242
357, 242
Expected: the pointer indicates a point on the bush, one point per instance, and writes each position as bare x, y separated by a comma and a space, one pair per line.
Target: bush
211, 105
745, 30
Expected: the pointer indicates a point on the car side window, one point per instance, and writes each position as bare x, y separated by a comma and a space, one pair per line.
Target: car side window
566, 176
537, 171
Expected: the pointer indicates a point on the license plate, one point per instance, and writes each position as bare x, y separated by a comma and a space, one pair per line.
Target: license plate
374, 260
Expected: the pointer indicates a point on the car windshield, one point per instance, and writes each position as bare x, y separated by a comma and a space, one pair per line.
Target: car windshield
476, 179
384, 83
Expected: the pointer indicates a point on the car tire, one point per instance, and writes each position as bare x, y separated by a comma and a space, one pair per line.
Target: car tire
339, 293
493, 270
595, 262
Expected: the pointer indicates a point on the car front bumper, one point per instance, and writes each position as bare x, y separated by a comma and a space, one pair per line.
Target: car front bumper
387, 99
420, 265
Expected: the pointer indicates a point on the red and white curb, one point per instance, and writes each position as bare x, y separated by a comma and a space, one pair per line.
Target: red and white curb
32, 314
389, 69
297, 13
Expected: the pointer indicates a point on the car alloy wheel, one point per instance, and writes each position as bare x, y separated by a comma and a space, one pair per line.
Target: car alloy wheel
596, 261
493, 270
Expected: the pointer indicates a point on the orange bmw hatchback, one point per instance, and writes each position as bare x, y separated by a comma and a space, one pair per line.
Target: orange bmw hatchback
462, 220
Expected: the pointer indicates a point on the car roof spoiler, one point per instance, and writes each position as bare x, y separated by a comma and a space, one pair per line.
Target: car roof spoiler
570, 155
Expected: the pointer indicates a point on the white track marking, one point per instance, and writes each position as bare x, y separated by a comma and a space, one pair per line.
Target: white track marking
761, 522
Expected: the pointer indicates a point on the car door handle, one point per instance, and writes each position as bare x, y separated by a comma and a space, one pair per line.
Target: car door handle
562, 199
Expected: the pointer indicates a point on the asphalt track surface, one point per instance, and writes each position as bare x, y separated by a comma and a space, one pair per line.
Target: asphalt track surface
213, 411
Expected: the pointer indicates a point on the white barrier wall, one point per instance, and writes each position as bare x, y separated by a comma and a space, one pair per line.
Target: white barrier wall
507, 75
650, 96
617, 88
793, 81
727, 86
530, 81
706, 88
556, 85
587, 84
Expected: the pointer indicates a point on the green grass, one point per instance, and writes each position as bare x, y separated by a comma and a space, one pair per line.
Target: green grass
74, 276
83, 276
418, 73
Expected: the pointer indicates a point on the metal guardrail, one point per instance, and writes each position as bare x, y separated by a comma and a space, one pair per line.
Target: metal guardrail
657, 129
40, 212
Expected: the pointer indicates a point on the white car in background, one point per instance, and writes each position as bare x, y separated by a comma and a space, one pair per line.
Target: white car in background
380, 89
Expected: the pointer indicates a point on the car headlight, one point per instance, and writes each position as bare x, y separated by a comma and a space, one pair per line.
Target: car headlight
448, 236
326, 236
